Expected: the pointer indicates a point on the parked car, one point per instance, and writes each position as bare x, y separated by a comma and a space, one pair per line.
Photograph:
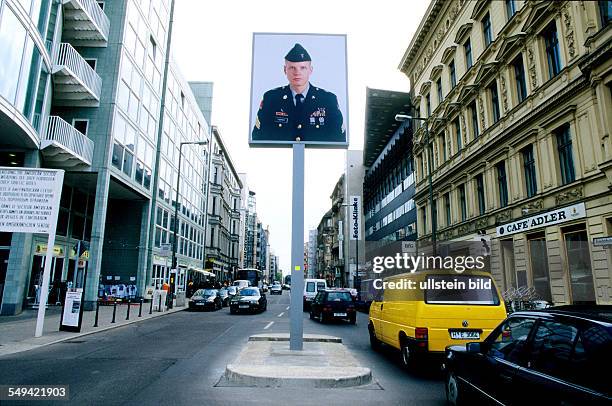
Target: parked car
264, 287
333, 305
224, 295
352, 292
553, 356
205, 299
421, 322
276, 289
311, 287
286, 286
249, 300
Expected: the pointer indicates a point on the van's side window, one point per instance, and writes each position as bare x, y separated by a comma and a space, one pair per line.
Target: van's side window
310, 287
510, 340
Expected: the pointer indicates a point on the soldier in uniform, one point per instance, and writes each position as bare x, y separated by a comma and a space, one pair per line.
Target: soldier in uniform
299, 109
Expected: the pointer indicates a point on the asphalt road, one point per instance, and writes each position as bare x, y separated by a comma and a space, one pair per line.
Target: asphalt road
179, 359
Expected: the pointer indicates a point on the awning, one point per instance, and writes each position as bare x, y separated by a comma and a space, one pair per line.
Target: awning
202, 271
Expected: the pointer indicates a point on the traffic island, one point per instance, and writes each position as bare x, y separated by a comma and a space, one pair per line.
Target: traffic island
267, 361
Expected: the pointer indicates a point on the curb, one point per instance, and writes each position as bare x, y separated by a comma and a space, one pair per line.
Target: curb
264, 377
307, 338
100, 329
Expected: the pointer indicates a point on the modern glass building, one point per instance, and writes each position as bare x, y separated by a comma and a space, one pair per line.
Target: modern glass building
388, 188
88, 87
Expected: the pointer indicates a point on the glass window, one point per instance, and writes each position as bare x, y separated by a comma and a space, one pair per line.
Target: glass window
457, 128
462, 202
509, 341
530, 172
551, 41
447, 207
579, 265
566, 161
538, 256
474, 117
486, 30
519, 77
453, 76
510, 8
12, 35
480, 192
468, 54
591, 354
502, 184
605, 12
494, 101
428, 104
439, 87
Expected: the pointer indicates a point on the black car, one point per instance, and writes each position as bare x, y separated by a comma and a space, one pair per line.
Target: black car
333, 305
224, 294
549, 357
248, 300
205, 299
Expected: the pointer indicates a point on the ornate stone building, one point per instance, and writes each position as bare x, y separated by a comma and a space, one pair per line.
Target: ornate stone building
517, 96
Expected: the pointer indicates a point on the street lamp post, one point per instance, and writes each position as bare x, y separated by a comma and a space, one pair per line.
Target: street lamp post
176, 220
434, 220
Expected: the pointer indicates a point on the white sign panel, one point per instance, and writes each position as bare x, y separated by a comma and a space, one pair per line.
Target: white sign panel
355, 230
29, 199
549, 218
165, 250
72, 308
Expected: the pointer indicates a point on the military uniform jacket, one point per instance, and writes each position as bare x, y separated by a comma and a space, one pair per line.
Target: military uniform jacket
318, 118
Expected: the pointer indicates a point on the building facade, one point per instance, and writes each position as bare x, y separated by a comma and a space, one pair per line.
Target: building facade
222, 245
88, 87
354, 249
517, 96
311, 250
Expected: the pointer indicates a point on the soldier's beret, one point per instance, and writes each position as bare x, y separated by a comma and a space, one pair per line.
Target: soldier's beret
297, 54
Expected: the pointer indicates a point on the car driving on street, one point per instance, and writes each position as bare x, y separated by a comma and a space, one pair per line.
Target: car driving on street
331, 305
248, 300
276, 289
205, 299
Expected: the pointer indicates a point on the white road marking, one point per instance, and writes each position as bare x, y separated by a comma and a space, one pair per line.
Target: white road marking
281, 315
287, 308
268, 325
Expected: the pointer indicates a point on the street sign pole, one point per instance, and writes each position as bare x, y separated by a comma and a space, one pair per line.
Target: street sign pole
296, 340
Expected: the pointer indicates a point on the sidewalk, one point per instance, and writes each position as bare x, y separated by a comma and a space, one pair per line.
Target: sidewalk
17, 332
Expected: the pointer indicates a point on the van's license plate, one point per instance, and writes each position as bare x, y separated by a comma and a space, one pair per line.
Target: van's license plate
465, 335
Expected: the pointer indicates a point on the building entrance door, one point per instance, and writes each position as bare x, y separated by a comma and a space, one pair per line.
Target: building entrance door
36, 274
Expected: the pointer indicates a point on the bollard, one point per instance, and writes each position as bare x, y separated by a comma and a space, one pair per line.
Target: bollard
140, 310
128, 311
151, 307
114, 310
160, 308
97, 309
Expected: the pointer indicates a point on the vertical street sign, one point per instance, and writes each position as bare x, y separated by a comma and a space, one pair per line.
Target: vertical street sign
299, 99
355, 231
29, 203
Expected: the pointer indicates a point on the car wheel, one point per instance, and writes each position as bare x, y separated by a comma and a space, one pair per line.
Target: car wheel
374, 342
454, 391
353, 319
322, 319
311, 315
232, 311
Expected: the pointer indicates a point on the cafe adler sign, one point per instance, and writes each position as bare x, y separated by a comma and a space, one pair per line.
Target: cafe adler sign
549, 218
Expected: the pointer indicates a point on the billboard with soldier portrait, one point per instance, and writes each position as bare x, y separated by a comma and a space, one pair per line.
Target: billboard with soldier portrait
299, 91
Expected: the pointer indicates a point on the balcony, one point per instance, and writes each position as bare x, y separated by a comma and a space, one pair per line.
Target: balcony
64, 147
85, 24
76, 84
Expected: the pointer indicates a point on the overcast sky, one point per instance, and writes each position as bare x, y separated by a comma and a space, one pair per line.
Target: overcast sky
212, 41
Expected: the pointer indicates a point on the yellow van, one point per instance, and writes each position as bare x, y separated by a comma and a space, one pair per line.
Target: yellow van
423, 312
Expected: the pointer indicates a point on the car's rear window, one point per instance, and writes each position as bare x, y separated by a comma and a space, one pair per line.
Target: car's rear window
457, 290
310, 287
339, 296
